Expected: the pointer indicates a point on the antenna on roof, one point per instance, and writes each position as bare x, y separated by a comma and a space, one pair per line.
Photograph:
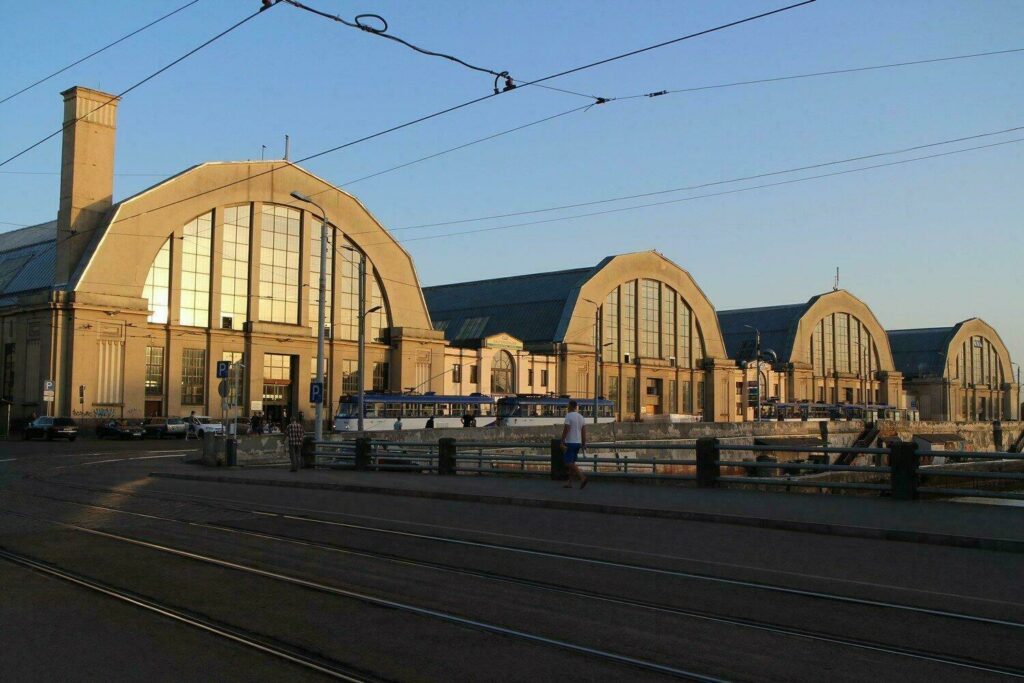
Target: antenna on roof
263, 151
286, 148
835, 287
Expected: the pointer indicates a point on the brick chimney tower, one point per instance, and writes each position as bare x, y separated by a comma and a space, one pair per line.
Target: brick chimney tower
86, 173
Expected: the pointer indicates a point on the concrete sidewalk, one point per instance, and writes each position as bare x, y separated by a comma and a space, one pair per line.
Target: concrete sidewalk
991, 527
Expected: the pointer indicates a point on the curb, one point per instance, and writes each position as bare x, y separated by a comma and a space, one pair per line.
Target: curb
902, 535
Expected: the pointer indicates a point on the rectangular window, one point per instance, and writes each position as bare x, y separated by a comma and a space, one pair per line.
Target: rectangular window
154, 371
817, 360
196, 249
628, 322
685, 359
158, 285
280, 249
423, 376
110, 369
630, 403
529, 377
673, 397
583, 388
829, 357
277, 378
474, 375
613, 390
193, 377
380, 376
700, 396
650, 322
848, 395
856, 350
349, 377
457, 373
234, 277
316, 227
687, 397
668, 323
544, 378
842, 342
8, 383
610, 325
653, 386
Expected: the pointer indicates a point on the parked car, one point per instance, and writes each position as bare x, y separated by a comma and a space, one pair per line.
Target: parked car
241, 425
202, 425
50, 428
161, 427
119, 429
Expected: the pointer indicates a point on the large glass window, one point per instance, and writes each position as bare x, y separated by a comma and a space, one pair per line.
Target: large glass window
668, 323
349, 376
234, 279
347, 325
380, 376
503, 374
314, 276
685, 336
827, 342
154, 371
280, 248
237, 377
158, 284
628, 322
195, 272
193, 377
856, 350
377, 322
650, 323
277, 378
817, 359
842, 342
610, 322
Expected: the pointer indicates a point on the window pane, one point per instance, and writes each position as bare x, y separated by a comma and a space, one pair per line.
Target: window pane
195, 269
279, 267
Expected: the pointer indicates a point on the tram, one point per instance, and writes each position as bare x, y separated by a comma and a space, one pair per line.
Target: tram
381, 411
533, 410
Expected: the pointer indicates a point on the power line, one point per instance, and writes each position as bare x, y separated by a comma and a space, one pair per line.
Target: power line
820, 73
473, 101
102, 49
713, 194
133, 87
756, 176
122, 175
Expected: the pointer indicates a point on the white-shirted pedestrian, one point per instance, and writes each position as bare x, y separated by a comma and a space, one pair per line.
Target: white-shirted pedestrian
574, 440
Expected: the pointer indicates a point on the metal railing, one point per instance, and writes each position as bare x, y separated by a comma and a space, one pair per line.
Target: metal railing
898, 470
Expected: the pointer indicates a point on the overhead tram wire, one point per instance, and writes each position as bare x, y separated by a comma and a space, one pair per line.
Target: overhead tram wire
139, 83
96, 52
700, 186
816, 74
712, 194
477, 100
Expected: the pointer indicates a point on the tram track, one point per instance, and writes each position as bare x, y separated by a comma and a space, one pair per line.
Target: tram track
247, 639
254, 509
753, 624
439, 615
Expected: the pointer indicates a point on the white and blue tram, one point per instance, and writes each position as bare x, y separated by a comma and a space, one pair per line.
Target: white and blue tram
535, 410
381, 411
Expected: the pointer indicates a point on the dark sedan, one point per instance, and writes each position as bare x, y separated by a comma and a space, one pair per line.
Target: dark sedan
119, 430
50, 428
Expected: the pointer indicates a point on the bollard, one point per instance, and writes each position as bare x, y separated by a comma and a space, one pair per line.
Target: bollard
362, 453
231, 451
904, 470
997, 434
446, 456
558, 471
308, 457
708, 469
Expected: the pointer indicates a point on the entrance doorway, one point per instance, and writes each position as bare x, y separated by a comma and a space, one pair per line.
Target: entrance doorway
154, 408
278, 380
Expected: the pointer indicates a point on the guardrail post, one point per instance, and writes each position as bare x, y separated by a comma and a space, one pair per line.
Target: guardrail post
903, 462
708, 469
362, 453
446, 456
997, 434
558, 471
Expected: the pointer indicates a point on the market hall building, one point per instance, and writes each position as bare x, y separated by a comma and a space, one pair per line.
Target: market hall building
127, 306
961, 373
659, 350
830, 349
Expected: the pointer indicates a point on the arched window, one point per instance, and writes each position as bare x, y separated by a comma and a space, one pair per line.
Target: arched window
503, 374
842, 343
158, 284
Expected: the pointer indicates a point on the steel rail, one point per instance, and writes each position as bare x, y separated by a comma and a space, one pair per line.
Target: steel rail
218, 504
227, 632
778, 629
387, 603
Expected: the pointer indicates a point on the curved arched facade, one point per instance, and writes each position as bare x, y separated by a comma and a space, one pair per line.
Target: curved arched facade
829, 350
959, 373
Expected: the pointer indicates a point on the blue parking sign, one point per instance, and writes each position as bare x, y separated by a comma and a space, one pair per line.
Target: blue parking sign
223, 368
316, 392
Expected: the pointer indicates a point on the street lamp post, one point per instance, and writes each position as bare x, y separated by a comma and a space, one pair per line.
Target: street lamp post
318, 429
757, 366
361, 362
597, 353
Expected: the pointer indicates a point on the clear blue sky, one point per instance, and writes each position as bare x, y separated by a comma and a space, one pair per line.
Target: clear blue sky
924, 244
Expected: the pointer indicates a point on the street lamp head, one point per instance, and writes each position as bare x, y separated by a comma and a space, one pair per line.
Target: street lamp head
374, 310
301, 197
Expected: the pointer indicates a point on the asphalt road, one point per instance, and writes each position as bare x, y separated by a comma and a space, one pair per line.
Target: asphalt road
107, 573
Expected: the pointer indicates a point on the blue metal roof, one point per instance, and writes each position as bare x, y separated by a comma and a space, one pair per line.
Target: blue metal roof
28, 258
528, 307
921, 352
777, 324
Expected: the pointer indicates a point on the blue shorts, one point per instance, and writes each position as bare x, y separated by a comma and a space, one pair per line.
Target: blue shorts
571, 451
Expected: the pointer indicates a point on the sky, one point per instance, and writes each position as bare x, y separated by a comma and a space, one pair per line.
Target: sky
924, 244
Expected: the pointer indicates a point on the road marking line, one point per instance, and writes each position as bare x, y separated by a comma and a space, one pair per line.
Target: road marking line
8, 459
142, 457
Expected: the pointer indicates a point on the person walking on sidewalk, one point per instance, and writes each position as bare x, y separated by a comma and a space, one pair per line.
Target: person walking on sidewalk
574, 439
296, 433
